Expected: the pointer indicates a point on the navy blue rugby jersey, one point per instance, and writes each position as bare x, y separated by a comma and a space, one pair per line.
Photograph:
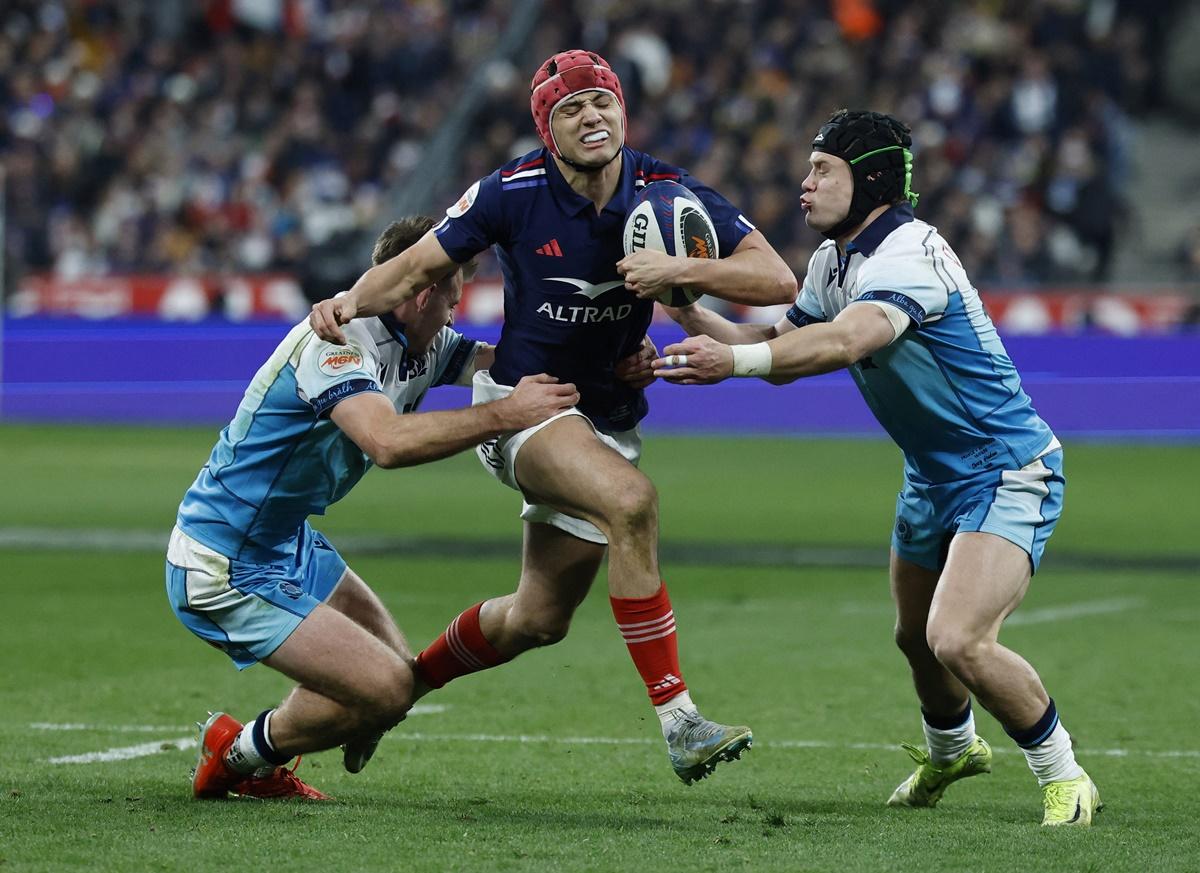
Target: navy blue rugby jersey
566, 309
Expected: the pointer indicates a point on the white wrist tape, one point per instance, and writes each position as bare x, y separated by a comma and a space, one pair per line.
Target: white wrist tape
751, 360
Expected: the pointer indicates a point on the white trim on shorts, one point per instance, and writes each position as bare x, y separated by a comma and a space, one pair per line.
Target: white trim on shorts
499, 457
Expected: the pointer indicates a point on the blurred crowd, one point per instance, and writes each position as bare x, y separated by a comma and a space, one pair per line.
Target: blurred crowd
265, 135
220, 136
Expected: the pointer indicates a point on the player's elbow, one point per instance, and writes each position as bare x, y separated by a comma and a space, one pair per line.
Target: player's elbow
389, 456
851, 350
785, 286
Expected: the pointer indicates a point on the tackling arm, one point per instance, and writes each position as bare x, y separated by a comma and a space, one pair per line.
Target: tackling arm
696, 320
393, 440
858, 331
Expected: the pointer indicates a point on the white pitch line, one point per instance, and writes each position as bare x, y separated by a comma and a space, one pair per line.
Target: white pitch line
770, 744
106, 728
154, 747
418, 709
1026, 616
1073, 610
141, 750
125, 753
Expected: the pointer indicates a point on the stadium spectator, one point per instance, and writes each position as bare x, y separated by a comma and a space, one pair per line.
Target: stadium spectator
1019, 111
886, 298
245, 571
244, 137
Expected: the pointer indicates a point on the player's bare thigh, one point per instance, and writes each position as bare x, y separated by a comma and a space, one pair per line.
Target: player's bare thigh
354, 598
985, 579
565, 465
332, 655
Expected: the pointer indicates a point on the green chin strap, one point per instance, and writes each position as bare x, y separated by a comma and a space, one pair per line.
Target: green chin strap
909, 194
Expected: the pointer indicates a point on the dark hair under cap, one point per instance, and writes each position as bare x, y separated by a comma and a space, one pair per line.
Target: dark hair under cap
876, 146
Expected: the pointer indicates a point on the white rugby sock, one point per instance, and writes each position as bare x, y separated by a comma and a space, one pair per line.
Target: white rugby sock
1054, 759
674, 709
248, 755
947, 745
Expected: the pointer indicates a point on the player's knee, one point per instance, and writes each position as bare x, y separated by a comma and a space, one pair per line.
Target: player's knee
957, 651
634, 502
545, 630
910, 642
390, 697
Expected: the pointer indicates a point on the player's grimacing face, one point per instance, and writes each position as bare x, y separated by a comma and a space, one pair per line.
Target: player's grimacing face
828, 190
588, 127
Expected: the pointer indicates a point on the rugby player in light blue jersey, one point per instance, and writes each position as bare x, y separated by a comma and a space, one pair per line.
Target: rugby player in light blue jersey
246, 573
886, 298
571, 308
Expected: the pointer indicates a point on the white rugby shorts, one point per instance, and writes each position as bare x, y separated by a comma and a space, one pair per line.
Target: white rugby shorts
499, 457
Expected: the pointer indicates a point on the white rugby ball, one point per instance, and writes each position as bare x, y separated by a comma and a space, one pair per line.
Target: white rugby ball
667, 217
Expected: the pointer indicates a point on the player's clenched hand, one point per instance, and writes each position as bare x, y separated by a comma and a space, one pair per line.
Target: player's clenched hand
697, 360
328, 316
649, 274
535, 399
637, 370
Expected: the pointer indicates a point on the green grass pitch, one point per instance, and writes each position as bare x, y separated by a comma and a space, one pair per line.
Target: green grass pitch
554, 761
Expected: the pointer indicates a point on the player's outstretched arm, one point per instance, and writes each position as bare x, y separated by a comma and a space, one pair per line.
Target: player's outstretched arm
393, 440
858, 331
753, 274
698, 320
383, 287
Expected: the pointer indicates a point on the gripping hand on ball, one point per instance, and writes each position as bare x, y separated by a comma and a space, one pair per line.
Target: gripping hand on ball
649, 274
697, 360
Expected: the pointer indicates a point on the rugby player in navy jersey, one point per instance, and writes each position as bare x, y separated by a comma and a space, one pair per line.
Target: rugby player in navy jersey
575, 306
886, 297
245, 571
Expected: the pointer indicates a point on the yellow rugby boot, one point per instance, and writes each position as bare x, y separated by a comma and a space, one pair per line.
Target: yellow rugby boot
927, 783
1071, 802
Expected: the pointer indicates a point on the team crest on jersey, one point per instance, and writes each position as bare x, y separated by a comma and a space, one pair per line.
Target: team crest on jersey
336, 360
465, 202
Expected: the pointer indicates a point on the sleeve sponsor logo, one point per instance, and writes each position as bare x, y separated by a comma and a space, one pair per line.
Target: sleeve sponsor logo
465, 202
337, 360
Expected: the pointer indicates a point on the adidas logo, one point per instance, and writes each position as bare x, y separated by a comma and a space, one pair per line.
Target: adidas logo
551, 248
668, 681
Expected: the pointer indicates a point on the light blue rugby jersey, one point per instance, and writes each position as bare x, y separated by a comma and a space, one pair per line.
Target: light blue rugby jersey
281, 459
945, 390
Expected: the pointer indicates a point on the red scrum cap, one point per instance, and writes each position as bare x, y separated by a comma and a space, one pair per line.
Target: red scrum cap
564, 74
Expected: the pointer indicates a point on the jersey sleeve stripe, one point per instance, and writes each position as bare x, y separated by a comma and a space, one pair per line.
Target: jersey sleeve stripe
536, 162
524, 174
907, 305
335, 395
529, 183
800, 318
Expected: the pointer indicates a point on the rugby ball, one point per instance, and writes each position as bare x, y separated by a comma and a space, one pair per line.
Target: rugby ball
667, 217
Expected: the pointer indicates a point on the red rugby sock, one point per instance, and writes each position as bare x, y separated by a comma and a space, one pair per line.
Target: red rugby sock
461, 649
648, 626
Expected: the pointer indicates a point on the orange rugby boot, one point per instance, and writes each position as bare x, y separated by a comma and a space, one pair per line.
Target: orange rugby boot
278, 784
213, 778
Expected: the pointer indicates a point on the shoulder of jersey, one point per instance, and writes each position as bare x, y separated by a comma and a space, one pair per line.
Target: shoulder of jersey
524, 173
647, 169
823, 250
909, 236
363, 331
